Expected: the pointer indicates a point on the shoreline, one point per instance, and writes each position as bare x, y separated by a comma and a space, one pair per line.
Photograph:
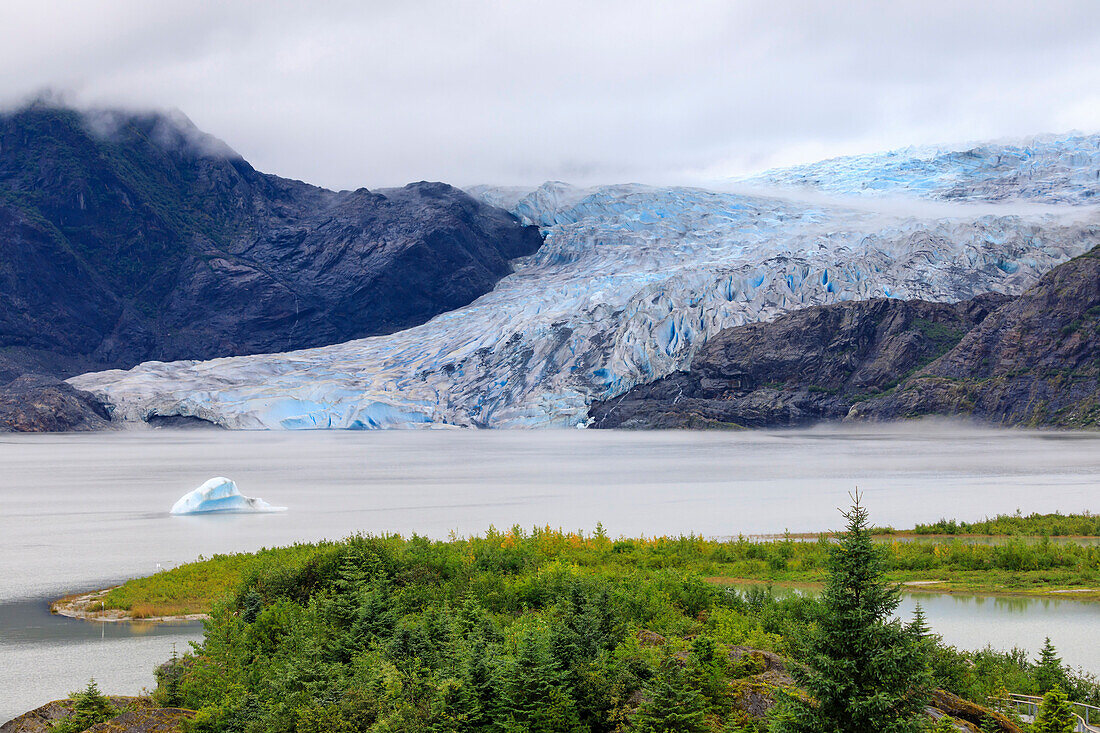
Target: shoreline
1084, 595
82, 606
910, 535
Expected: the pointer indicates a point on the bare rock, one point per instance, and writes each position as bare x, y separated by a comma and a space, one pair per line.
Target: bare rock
34, 403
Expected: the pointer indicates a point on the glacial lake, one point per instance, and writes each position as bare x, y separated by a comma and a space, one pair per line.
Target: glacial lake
86, 511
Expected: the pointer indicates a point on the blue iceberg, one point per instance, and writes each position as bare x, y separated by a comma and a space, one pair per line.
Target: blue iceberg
220, 494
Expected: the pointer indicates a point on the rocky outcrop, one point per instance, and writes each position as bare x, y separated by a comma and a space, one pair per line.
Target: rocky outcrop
1035, 361
41, 718
803, 367
139, 715
34, 403
134, 237
153, 720
1030, 360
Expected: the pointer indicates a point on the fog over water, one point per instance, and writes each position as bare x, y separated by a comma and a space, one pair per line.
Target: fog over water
83, 511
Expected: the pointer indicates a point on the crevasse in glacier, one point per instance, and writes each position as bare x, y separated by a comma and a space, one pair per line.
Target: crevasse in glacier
220, 494
630, 282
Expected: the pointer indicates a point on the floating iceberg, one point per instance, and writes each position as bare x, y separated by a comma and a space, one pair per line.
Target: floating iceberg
220, 494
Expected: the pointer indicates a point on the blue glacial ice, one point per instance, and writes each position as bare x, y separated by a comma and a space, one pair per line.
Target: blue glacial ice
631, 281
1044, 169
220, 494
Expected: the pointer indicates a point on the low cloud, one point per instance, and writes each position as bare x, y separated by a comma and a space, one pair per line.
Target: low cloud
349, 94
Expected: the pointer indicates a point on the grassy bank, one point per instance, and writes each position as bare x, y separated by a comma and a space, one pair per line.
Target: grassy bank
1016, 566
1082, 525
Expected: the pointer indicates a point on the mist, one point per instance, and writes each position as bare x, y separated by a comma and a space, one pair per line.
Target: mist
350, 94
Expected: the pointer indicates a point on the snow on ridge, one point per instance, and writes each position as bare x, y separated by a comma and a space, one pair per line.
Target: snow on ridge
1055, 169
631, 281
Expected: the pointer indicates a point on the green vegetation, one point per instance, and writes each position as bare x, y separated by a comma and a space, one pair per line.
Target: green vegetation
865, 671
90, 706
944, 725
1015, 566
1015, 525
1055, 714
942, 337
548, 631
193, 587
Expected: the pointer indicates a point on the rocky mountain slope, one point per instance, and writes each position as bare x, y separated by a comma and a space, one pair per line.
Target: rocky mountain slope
809, 365
34, 403
1033, 359
632, 281
129, 237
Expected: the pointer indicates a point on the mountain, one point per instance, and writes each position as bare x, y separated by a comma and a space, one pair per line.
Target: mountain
1029, 360
800, 368
630, 283
1033, 361
33, 403
130, 237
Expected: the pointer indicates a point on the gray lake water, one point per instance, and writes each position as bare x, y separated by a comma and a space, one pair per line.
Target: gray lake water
84, 511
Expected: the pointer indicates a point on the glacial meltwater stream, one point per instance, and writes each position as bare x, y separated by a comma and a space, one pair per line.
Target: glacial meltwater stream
85, 511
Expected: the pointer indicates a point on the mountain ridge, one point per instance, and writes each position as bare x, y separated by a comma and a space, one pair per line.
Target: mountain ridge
134, 236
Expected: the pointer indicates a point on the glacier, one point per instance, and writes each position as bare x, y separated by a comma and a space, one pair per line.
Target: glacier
1044, 169
632, 279
220, 494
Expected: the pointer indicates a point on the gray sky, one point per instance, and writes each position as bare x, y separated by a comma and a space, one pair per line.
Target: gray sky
349, 94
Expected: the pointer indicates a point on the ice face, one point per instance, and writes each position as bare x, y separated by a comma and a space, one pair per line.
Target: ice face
220, 494
630, 282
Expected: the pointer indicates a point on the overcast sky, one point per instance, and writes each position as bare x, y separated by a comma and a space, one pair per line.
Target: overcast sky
364, 93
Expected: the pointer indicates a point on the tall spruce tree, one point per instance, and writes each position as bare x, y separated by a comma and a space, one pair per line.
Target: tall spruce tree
1049, 672
866, 673
918, 626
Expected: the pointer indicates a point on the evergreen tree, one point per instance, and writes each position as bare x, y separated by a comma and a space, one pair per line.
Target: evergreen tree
90, 706
173, 693
672, 705
866, 672
918, 626
1055, 713
1049, 671
531, 696
454, 709
708, 672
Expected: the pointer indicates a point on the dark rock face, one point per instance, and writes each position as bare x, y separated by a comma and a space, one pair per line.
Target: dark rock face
802, 367
1034, 361
34, 403
130, 237
1030, 360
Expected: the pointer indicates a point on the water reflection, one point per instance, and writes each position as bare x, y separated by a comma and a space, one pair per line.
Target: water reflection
45, 657
30, 622
970, 621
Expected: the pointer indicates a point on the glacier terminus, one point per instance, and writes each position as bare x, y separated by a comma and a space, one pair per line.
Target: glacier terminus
632, 279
